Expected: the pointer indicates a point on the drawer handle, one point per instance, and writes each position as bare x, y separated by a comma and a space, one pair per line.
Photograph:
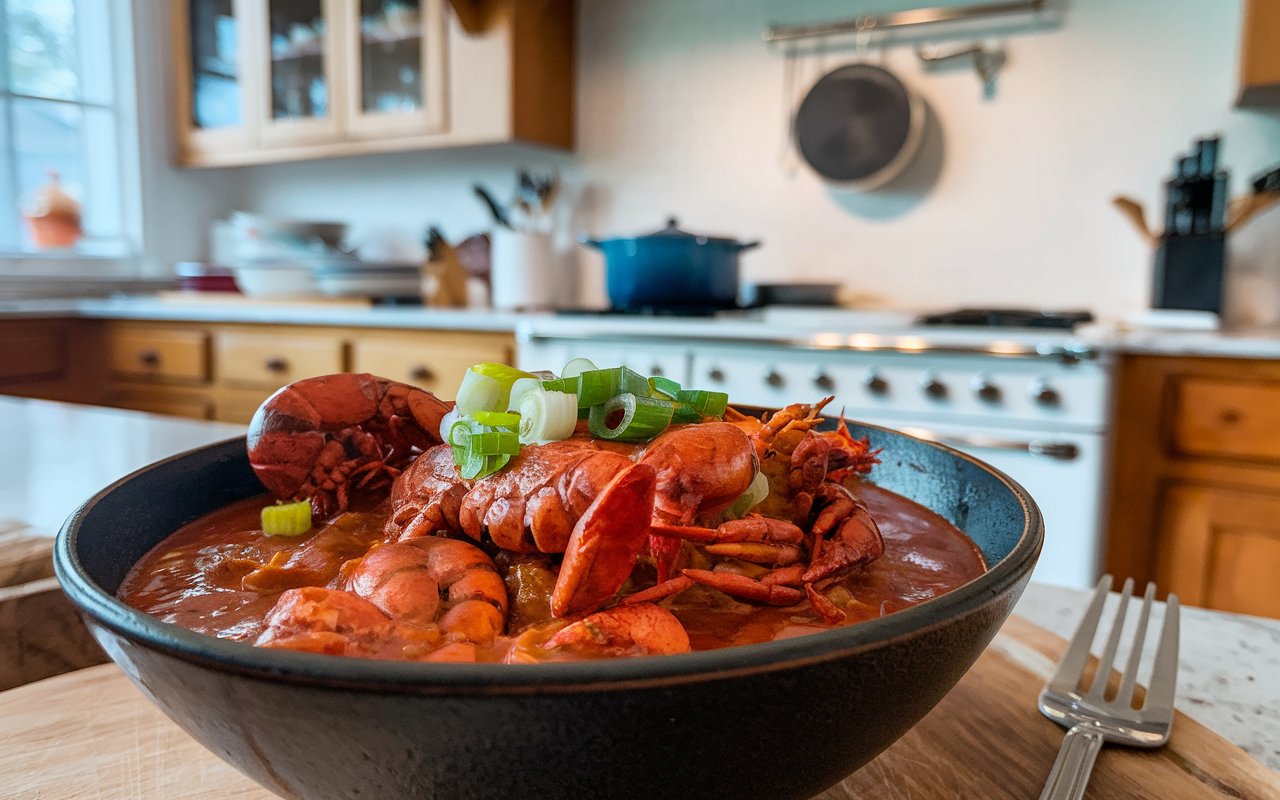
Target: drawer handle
421, 373
276, 364
149, 358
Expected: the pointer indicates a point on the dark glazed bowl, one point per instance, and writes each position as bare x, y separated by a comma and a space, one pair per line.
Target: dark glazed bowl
783, 719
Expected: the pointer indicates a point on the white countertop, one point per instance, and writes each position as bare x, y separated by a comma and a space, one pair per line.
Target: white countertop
810, 327
54, 456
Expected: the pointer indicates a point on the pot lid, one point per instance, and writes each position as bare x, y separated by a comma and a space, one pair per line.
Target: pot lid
674, 231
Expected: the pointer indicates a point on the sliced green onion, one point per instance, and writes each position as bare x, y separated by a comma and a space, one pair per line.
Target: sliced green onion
476, 465
569, 385
664, 388
477, 392
752, 497
494, 443
446, 423
598, 385
684, 414
547, 416
487, 387
497, 419
287, 519
708, 404
630, 418
576, 367
520, 387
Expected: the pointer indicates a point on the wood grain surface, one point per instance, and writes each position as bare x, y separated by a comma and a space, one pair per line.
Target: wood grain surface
91, 734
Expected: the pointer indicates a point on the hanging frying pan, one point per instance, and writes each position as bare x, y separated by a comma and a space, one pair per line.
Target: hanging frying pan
859, 126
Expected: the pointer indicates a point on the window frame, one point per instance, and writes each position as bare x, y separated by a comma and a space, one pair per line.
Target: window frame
124, 108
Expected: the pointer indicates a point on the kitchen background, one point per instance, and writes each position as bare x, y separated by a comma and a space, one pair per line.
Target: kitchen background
678, 109
681, 111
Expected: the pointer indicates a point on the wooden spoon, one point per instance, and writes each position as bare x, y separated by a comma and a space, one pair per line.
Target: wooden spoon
1134, 212
1243, 209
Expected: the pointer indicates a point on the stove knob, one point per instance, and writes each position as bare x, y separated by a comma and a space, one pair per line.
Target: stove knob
1044, 394
875, 384
824, 382
933, 387
716, 375
985, 390
656, 369
775, 379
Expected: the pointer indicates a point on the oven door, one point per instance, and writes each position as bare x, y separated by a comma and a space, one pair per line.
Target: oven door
1063, 472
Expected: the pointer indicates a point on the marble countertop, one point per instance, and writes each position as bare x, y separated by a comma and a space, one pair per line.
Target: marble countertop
54, 456
821, 328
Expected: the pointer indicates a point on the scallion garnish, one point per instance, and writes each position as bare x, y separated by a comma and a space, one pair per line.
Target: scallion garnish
708, 404
663, 388
598, 385
287, 519
630, 417
497, 419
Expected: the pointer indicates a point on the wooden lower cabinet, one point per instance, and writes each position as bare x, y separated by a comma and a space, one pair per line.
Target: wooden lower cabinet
1221, 548
54, 359
1195, 496
435, 361
224, 371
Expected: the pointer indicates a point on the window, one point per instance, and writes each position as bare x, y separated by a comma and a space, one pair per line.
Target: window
59, 117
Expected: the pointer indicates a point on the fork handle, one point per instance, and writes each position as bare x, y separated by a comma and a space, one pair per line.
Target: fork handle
1071, 770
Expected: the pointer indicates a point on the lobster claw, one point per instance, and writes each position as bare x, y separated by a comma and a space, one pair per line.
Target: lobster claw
605, 542
856, 540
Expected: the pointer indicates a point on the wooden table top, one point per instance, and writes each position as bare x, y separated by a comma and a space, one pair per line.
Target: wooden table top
92, 734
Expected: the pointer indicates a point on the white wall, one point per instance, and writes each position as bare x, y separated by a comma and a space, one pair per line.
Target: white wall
682, 112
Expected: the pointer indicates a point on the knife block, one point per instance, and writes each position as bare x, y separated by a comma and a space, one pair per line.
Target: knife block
1189, 272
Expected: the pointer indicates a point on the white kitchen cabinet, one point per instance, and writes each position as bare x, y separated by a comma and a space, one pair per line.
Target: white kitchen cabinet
669, 361
264, 81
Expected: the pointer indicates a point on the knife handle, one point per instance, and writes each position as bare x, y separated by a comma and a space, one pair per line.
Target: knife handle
1070, 773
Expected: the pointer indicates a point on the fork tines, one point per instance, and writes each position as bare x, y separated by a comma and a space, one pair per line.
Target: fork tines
1164, 673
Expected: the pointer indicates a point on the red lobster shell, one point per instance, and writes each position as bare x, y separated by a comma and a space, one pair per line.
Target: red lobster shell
321, 437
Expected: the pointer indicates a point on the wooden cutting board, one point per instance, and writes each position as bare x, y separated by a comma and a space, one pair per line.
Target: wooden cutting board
91, 734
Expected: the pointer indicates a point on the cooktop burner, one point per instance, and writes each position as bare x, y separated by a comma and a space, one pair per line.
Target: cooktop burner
1008, 318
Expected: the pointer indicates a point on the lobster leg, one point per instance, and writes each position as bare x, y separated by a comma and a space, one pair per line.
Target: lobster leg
658, 592
759, 540
746, 588
605, 542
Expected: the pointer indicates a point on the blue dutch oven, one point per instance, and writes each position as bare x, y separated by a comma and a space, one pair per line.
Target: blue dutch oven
671, 269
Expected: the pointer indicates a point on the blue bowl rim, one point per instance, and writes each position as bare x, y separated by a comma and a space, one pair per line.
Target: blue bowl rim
555, 677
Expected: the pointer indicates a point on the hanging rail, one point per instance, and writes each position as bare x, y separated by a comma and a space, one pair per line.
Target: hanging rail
900, 19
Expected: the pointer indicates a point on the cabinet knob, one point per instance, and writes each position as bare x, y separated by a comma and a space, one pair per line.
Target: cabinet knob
876, 384
1044, 394
933, 387
276, 364
421, 373
149, 358
985, 390
715, 374
824, 382
656, 370
775, 379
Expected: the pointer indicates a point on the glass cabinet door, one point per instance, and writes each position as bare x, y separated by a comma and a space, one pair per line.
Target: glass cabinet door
397, 57
301, 85
212, 37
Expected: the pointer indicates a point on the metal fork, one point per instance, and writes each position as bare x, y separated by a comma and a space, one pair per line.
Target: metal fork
1091, 718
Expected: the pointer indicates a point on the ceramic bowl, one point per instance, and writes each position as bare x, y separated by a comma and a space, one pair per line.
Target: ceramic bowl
782, 719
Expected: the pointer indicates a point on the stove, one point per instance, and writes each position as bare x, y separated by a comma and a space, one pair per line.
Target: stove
1033, 402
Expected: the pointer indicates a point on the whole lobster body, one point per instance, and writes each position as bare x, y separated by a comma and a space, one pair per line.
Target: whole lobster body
320, 438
